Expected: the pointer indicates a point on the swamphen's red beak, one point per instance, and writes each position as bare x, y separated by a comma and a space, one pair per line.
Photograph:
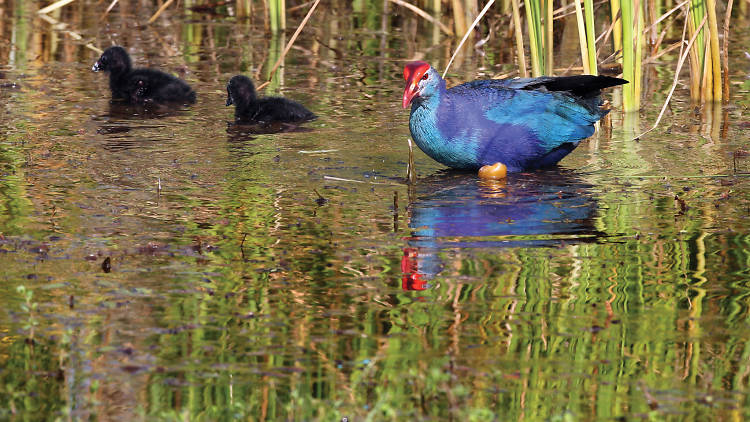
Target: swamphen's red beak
413, 73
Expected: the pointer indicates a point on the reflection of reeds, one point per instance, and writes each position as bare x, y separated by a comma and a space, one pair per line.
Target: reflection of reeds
424, 14
682, 56
276, 65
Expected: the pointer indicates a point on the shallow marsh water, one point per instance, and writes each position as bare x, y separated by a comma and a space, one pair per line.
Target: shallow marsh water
179, 270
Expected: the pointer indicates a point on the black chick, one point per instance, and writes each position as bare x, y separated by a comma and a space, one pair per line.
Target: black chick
251, 109
141, 86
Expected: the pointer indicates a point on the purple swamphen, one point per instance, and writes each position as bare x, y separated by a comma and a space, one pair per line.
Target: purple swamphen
526, 123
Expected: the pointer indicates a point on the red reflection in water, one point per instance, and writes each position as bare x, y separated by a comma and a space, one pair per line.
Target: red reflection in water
412, 278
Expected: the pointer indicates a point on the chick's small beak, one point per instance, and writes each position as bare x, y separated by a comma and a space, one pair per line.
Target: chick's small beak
410, 91
95, 67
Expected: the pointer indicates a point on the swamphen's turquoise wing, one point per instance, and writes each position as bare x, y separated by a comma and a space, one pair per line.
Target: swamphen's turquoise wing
484, 123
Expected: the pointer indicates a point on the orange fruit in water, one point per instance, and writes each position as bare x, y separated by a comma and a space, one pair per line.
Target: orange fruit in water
495, 171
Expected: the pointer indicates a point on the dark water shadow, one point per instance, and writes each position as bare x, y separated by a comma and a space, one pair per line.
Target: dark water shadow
457, 210
241, 132
247, 140
124, 111
121, 120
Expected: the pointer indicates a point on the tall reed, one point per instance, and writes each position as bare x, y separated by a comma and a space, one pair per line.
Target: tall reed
518, 30
244, 8
586, 36
705, 64
548, 9
459, 17
628, 19
590, 37
614, 7
631, 13
277, 15
539, 23
712, 91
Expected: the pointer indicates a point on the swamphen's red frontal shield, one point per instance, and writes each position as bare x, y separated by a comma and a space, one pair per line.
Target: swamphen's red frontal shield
525, 123
413, 73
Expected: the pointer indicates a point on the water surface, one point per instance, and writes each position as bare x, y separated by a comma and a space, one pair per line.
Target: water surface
178, 269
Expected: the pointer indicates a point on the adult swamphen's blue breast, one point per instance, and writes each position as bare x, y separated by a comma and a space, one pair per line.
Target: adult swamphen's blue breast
525, 124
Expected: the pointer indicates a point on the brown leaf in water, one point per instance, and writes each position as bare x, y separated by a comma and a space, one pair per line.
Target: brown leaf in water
131, 369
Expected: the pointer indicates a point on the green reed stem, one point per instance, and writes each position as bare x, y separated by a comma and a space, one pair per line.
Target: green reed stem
694, 61
582, 39
706, 80
638, 54
519, 40
697, 13
614, 6
277, 15
725, 53
591, 36
548, 23
713, 29
536, 48
632, 47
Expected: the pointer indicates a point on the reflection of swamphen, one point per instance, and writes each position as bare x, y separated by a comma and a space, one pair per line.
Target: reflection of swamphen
458, 214
141, 86
525, 124
411, 277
